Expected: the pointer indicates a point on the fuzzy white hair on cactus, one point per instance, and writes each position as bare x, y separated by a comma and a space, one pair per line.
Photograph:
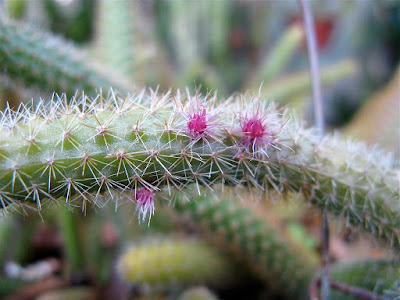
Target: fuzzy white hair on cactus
79, 149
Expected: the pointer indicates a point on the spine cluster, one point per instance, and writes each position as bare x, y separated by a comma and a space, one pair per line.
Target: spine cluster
381, 277
82, 148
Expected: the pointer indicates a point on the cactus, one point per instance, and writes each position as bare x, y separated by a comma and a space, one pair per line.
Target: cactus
380, 277
116, 38
15, 8
198, 293
158, 262
275, 62
281, 89
90, 146
286, 267
40, 60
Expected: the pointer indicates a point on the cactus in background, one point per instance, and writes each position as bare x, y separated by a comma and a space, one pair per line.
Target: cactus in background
41, 60
15, 8
116, 38
185, 42
281, 89
159, 262
380, 277
279, 57
117, 148
6, 230
198, 293
88, 147
286, 267
217, 27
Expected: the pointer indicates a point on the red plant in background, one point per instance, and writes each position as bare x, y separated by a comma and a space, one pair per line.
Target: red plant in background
323, 27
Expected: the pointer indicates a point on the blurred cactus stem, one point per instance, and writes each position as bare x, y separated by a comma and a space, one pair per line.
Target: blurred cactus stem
286, 87
37, 59
160, 262
15, 8
380, 277
6, 232
285, 266
217, 13
198, 293
281, 53
115, 36
70, 226
184, 27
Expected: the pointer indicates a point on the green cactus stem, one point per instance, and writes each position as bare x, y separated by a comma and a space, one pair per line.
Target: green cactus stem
282, 89
72, 236
275, 62
37, 59
147, 141
160, 262
380, 277
15, 8
116, 38
286, 267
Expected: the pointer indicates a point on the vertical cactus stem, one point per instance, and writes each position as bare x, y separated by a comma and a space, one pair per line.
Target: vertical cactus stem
69, 223
159, 263
144, 197
287, 267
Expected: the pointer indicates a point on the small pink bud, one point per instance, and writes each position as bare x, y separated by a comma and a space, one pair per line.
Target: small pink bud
197, 123
145, 203
200, 124
255, 132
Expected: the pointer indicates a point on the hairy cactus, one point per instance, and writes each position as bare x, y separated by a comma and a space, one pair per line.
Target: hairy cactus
159, 262
90, 146
286, 267
281, 53
41, 60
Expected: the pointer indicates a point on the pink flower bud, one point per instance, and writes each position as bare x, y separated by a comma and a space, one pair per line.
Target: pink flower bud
145, 203
254, 131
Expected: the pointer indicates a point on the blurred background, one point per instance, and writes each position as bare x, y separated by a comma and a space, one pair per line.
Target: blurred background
221, 46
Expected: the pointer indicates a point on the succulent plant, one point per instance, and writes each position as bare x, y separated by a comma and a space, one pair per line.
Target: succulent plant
81, 148
36, 59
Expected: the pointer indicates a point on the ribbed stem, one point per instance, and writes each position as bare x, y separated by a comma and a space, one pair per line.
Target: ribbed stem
70, 228
282, 89
41, 60
159, 262
281, 53
286, 267
116, 35
380, 277
88, 147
